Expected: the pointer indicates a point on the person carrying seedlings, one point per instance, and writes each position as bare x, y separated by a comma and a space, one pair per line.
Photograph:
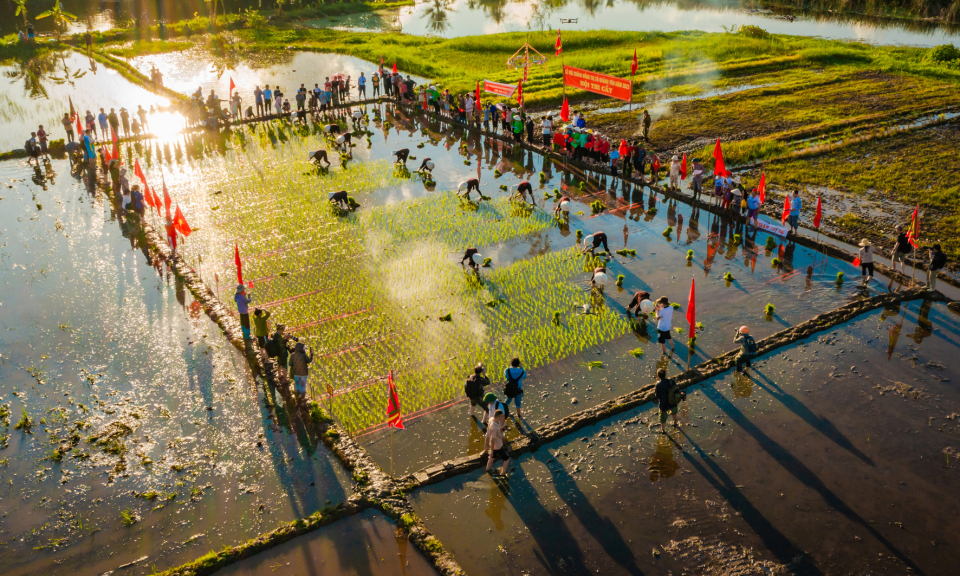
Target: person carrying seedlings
796, 204
299, 368
468, 186
936, 263
563, 207
668, 396
260, 328
277, 348
318, 157
594, 241
494, 444
513, 390
472, 258
340, 199
474, 389
664, 316
426, 166
243, 308
599, 278
865, 255
634, 304
521, 190
402, 156
901, 249
748, 348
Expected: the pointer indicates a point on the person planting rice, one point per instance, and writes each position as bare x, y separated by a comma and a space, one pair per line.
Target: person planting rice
472, 258
514, 374
664, 315
468, 186
344, 141
594, 241
402, 156
521, 190
474, 389
563, 207
638, 306
495, 445
357, 119
243, 308
748, 348
331, 129
340, 199
426, 166
599, 278
318, 157
299, 368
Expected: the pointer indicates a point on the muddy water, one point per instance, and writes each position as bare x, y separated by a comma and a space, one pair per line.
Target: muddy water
836, 455
192, 69
39, 90
98, 344
367, 544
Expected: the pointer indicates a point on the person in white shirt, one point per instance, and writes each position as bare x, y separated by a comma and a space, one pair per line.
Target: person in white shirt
547, 128
675, 172
866, 260
664, 314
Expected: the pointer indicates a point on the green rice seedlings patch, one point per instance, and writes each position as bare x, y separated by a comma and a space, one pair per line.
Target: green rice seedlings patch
771, 243
597, 207
593, 364
689, 254
839, 277
728, 277
620, 279
774, 263
636, 352
486, 262
769, 309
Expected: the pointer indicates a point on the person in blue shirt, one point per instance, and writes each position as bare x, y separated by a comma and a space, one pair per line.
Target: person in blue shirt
243, 308
753, 207
258, 95
267, 99
796, 204
581, 121
514, 388
362, 86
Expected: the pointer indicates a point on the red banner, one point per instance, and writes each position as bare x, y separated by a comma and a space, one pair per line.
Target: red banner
597, 83
499, 88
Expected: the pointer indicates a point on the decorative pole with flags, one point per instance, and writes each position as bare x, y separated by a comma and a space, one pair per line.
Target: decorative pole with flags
565, 108
394, 418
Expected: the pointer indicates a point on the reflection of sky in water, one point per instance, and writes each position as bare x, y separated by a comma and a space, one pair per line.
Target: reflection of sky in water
463, 18
36, 92
187, 71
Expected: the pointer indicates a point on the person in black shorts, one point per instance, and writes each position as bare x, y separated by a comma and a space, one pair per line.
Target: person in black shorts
495, 445
426, 166
474, 389
331, 129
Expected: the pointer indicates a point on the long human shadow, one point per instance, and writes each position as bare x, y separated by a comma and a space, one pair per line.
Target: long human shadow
819, 423
801, 472
600, 527
773, 540
547, 528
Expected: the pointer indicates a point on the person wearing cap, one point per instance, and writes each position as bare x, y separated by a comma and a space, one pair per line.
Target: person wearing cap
664, 316
599, 278
594, 241
472, 258
299, 368
563, 207
494, 446
865, 255
344, 142
675, 172
796, 205
517, 127
279, 341
696, 183
474, 388
521, 190
243, 308
937, 260
426, 166
260, 328
748, 348
467, 186
318, 157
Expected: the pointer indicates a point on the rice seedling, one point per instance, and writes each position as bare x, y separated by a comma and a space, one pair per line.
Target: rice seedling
839, 277
699, 326
668, 231
597, 207
556, 318
769, 309
620, 279
674, 305
689, 254
771, 243
636, 352
447, 318
593, 364
486, 262
728, 277
775, 262
556, 193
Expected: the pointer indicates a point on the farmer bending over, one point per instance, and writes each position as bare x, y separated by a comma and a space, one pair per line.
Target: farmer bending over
563, 207
468, 186
402, 156
331, 129
340, 199
319, 156
471, 258
594, 241
426, 166
521, 191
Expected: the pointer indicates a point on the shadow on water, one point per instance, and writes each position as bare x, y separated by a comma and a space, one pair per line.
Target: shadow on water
797, 469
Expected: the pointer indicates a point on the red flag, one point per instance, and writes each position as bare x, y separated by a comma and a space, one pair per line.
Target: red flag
79, 128
236, 260
856, 262
683, 167
232, 86
381, 61
394, 67
180, 223
138, 172
147, 196
786, 210
623, 149
156, 199
520, 92
816, 219
762, 188
558, 47
116, 146
394, 419
172, 235
106, 154
633, 67
655, 166
719, 168
692, 307
913, 234
565, 111
73, 111
478, 95
166, 199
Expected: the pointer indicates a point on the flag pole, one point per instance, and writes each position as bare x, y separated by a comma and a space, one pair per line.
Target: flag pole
391, 451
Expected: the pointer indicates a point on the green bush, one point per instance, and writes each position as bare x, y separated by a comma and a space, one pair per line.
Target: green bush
943, 53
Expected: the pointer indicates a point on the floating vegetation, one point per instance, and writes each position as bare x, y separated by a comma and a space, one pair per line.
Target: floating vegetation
771, 243
620, 279
627, 252
668, 231
593, 364
728, 277
690, 255
839, 277
769, 309
636, 352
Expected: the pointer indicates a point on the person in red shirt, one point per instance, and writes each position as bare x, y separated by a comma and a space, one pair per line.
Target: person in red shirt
588, 147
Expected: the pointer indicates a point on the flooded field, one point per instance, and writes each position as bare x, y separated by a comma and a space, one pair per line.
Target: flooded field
147, 438
39, 90
833, 456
